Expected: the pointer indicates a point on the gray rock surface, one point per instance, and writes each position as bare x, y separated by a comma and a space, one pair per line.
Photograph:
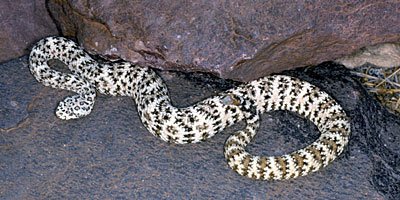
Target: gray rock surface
110, 155
22, 23
233, 39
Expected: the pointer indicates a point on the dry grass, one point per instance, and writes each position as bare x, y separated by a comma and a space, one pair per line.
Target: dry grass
383, 83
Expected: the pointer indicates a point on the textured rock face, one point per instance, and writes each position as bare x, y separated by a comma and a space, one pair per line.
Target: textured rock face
21, 24
232, 39
110, 155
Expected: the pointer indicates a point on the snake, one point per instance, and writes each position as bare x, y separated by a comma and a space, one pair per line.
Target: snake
88, 76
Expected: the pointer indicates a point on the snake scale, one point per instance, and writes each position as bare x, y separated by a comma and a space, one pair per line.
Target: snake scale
204, 119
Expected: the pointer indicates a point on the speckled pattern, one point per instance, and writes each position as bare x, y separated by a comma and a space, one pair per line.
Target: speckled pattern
110, 155
204, 119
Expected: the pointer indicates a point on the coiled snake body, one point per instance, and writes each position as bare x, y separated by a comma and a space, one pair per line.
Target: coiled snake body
203, 119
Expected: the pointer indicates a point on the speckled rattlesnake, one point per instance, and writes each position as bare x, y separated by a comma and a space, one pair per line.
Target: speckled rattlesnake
203, 119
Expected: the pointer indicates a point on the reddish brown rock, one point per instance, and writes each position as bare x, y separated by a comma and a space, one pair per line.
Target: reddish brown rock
232, 39
21, 24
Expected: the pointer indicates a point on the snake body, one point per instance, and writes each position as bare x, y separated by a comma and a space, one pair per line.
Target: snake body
204, 119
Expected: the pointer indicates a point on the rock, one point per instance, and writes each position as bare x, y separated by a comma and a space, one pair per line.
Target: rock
22, 23
109, 154
382, 55
231, 39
